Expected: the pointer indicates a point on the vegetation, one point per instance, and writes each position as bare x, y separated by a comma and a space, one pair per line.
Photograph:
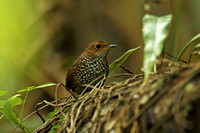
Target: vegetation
21, 64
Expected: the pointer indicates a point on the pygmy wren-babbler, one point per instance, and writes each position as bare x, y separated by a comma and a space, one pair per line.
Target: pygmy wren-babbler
89, 67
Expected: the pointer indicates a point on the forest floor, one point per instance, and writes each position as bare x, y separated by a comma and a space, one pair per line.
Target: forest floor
168, 102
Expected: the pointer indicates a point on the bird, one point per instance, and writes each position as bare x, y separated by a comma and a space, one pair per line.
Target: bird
89, 68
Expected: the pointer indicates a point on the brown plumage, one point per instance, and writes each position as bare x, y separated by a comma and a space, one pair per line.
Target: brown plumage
89, 66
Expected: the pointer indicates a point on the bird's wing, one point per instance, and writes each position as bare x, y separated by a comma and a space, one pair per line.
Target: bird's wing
71, 72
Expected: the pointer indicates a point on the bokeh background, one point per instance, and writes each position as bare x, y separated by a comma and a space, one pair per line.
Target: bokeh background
40, 39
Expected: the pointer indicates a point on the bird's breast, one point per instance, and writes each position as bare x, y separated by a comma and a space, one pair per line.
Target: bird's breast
90, 69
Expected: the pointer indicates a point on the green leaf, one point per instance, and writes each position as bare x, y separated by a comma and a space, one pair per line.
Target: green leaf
30, 88
1, 117
195, 51
155, 31
2, 93
46, 85
2, 102
187, 45
120, 60
27, 89
196, 47
8, 112
51, 114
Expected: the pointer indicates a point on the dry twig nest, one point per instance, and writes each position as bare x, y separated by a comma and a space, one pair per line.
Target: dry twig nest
169, 102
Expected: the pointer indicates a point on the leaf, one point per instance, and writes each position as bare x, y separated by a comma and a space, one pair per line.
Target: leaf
27, 89
46, 85
155, 31
51, 114
195, 51
8, 112
30, 88
120, 60
1, 117
2, 93
187, 45
196, 47
2, 102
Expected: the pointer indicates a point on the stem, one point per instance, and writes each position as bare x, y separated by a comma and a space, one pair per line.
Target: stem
23, 104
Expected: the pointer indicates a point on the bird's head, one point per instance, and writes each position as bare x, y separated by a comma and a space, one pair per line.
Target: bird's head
98, 48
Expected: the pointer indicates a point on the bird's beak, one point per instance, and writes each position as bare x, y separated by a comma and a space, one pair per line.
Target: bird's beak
112, 46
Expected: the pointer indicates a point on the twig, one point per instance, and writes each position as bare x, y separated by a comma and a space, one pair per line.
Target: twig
126, 69
174, 57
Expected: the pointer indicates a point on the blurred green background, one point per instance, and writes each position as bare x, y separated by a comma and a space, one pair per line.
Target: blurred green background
40, 39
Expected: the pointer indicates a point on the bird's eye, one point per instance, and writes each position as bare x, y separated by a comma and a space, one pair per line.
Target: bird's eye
98, 45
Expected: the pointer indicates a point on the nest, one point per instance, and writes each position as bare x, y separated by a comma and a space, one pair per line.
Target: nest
169, 102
